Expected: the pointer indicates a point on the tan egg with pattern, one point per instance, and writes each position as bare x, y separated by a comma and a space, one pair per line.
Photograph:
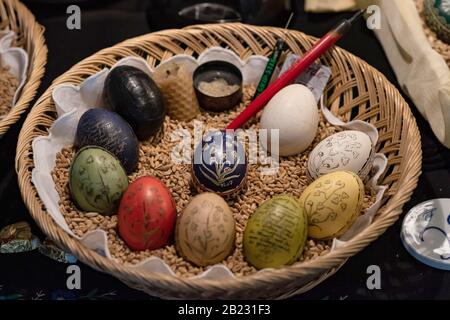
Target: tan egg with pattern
332, 203
205, 231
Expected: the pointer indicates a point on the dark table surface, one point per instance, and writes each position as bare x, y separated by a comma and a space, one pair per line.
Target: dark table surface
104, 23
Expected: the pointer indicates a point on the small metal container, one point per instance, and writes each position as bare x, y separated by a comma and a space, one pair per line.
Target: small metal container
214, 70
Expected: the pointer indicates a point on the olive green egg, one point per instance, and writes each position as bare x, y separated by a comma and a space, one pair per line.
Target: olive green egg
97, 180
276, 233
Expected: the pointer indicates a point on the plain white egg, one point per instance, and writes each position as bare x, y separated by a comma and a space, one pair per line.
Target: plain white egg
293, 110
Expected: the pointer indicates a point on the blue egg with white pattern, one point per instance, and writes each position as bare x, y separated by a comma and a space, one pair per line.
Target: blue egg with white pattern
219, 164
107, 129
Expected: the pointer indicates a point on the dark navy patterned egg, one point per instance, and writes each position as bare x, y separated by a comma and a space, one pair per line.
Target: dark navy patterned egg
136, 97
219, 164
106, 129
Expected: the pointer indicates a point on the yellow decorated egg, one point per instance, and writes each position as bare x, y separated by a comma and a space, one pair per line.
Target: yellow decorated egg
276, 232
332, 203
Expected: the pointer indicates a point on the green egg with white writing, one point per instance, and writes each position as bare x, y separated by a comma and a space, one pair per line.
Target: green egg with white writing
276, 233
97, 180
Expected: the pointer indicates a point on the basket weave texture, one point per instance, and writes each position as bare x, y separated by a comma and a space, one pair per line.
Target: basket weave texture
355, 91
30, 36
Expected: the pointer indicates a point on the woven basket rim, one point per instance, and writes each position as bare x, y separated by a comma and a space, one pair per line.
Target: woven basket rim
325, 265
36, 49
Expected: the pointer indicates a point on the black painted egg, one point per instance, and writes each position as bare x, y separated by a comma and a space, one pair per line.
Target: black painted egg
219, 164
106, 129
136, 97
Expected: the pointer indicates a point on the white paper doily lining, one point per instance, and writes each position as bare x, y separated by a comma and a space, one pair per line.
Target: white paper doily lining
72, 101
15, 58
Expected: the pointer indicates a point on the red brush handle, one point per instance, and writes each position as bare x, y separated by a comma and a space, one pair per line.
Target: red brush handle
286, 78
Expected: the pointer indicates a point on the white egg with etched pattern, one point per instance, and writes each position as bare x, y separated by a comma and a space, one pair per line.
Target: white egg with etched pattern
343, 151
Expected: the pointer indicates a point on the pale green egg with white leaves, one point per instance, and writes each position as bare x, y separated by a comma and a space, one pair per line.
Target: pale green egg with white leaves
97, 180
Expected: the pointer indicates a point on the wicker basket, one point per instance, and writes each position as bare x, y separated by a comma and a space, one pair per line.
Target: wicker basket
30, 36
356, 90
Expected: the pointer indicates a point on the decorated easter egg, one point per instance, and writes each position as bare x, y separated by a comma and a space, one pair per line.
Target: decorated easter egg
293, 111
106, 129
332, 203
219, 163
135, 96
147, 214
97, 180
343, 151
205, 231
276, 233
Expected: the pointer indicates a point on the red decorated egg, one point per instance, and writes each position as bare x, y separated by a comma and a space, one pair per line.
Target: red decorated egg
147, 214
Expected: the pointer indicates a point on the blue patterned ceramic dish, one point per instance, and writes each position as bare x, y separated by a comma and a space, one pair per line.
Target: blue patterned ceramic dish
426, 233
